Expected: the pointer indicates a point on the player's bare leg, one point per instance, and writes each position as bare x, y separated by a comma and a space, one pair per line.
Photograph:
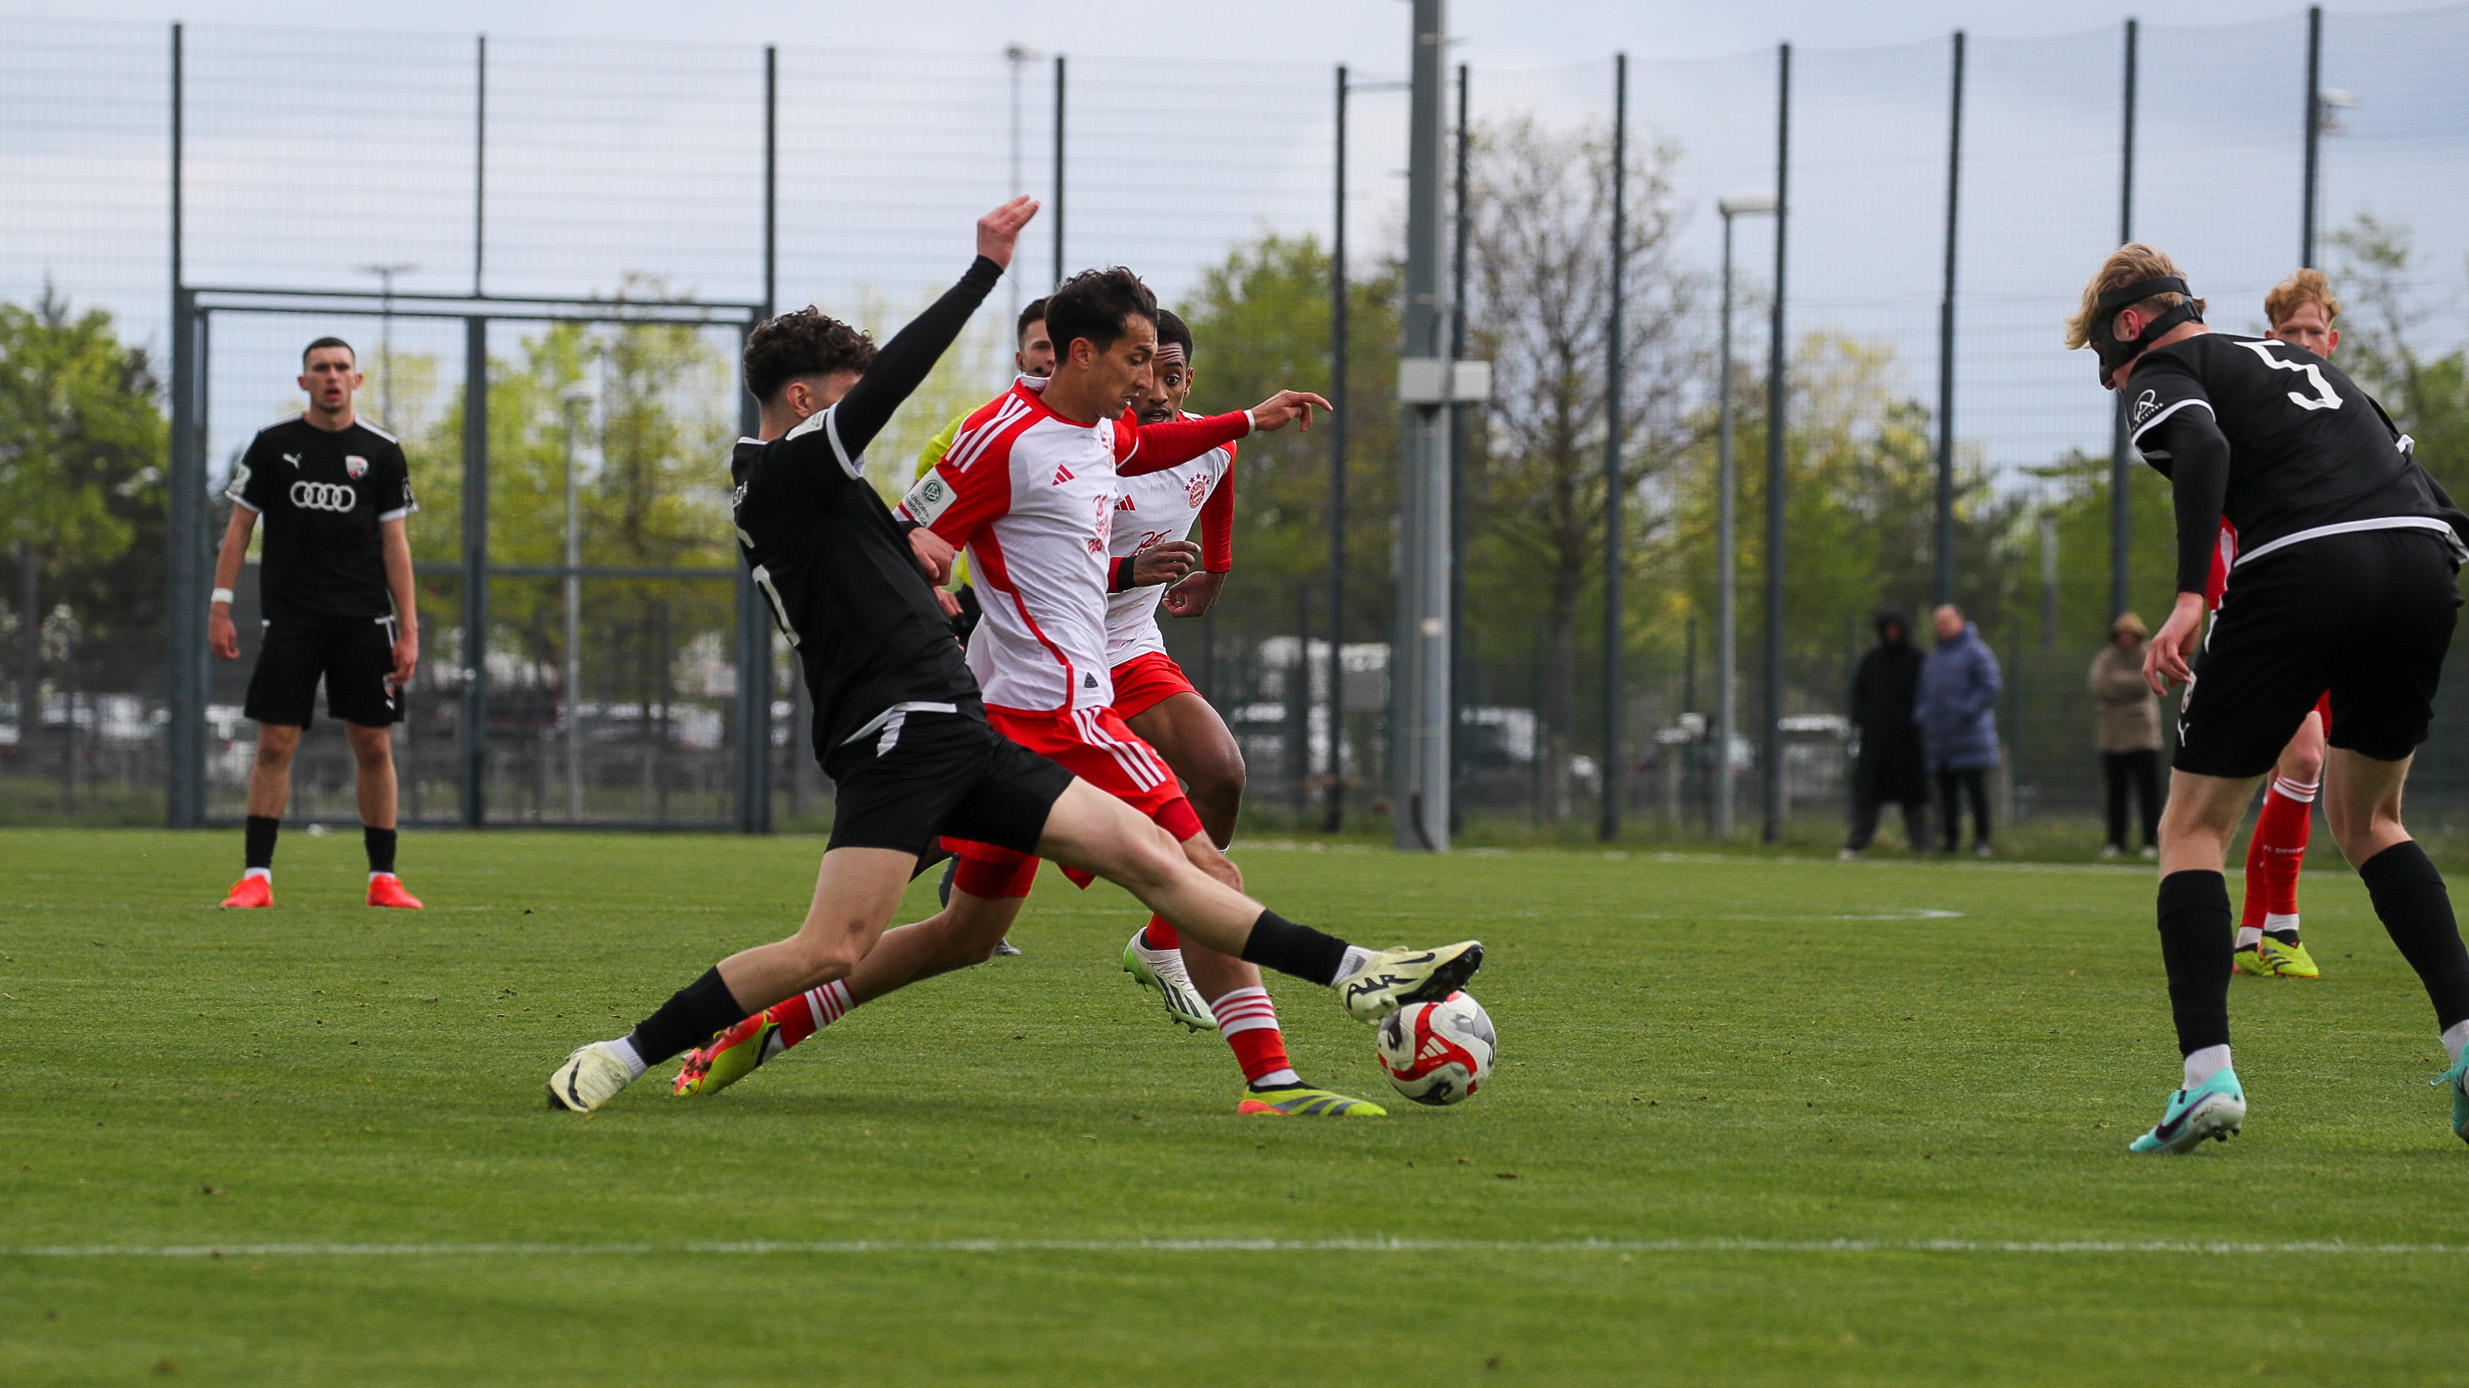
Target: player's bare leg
269, 795
2268, 940
858, 889
1202, 753
2362, 804
372, 750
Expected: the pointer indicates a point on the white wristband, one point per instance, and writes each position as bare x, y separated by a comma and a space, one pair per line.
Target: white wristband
221, 595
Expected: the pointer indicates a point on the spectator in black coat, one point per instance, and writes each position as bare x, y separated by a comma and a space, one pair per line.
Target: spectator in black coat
1889, 769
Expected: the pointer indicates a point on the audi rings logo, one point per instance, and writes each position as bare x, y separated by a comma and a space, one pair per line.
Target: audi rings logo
323, 496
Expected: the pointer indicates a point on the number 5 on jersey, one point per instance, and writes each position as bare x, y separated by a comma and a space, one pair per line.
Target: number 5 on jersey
2324, 398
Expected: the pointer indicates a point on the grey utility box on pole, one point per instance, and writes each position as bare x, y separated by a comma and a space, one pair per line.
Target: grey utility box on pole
1419, 660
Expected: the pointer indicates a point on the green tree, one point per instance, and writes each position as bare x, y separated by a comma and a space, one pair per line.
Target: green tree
82, 500
1260, 322
2383, 348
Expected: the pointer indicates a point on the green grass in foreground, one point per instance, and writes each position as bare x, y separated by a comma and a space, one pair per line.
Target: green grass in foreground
1695, 1050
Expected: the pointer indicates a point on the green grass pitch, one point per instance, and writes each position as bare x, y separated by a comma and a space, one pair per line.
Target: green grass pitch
1711, 1069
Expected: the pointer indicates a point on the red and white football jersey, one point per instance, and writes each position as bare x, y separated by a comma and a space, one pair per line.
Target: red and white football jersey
1158, 508
1031, 495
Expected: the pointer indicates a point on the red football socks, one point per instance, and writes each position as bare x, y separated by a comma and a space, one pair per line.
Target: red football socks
1161, 934
1248, 1021
2276, 853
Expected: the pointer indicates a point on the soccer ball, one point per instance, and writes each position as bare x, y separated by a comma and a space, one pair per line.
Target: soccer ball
1437, 1052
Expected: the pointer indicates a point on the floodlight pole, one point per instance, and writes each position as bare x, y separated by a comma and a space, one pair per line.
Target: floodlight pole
1419, 659
1055, 213
1613, 761
2314, 131
1017, 57
1946, 346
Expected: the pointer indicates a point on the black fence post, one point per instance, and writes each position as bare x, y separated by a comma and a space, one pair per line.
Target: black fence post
1613, 761
2314, 131
1778, 393
1334, 817
2121, 529
475, 738
1946, 344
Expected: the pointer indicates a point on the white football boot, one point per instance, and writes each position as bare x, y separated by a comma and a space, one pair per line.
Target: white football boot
1396, 977
1163, 970
591, 1076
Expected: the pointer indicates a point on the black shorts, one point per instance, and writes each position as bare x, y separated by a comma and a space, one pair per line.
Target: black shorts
2367, 617
942, 774
354, 655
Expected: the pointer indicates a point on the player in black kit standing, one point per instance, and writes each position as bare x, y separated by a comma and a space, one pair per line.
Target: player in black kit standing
2344, 582
334, 492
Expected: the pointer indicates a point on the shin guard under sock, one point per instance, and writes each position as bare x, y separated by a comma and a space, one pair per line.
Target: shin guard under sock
2416, 912
2194, 945
257, 839
1280, 944
687, 1019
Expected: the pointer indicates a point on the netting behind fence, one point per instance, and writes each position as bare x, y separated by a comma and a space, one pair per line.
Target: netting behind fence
586, 171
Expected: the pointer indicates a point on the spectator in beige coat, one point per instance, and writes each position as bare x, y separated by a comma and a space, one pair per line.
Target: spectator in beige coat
2129, 733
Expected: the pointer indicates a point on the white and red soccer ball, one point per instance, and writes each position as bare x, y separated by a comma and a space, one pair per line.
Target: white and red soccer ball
1438, 1052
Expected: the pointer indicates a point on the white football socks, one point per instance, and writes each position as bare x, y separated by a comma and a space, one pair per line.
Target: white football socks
623, 1049
2205, 1063
267, 873
1356, 960
2455, 1037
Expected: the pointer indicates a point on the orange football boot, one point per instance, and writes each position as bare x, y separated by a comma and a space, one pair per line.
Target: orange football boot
251, 890
386, 889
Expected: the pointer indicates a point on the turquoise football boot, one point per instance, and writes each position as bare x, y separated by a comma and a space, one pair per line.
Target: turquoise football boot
2453, 1079
2214, 1109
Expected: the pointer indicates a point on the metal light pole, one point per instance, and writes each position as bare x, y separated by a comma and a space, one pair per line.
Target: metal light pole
1727, 537
576, 398
1419, 662
385, 333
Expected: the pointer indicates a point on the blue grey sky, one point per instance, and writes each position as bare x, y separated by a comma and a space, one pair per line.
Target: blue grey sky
624, 138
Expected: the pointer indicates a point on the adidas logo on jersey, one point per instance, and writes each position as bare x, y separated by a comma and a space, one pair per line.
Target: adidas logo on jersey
1126, 504
1061, 476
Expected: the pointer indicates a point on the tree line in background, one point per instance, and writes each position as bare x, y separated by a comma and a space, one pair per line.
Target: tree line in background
645, 413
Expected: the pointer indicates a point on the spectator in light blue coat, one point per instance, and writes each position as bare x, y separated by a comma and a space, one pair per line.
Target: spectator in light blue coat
1957, 714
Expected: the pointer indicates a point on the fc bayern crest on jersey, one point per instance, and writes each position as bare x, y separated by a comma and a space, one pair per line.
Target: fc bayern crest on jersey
354, 465
1197, 489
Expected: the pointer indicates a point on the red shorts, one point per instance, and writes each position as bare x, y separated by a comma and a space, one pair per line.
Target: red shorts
1147, 680
1094, 745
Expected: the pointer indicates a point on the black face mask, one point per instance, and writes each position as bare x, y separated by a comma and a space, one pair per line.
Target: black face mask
2114, 353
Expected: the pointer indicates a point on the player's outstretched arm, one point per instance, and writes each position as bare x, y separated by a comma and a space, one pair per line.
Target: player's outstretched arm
901, 364
1157, 447
220, 634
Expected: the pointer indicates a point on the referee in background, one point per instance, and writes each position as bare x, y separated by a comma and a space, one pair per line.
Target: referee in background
334, 492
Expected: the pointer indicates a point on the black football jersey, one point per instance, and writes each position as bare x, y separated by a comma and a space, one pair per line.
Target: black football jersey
842, 583
2309, 452
321, 495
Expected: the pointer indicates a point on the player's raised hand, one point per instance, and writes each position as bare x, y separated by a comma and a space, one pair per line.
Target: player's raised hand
2167, 656
998, 231
1274, 412
1165, 564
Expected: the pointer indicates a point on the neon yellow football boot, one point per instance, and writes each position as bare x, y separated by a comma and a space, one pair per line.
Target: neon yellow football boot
729, 1057
2285, 960
1306, 1101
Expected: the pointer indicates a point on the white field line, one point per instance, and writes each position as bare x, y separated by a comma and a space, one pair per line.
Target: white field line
2029, 1247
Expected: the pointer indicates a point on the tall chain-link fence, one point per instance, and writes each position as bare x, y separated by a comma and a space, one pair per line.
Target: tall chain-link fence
1942, 204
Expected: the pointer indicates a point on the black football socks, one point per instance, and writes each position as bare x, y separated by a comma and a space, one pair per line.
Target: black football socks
258, 840
380, 843
1280, 944
2195, 945
2417, 912
687, 1019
